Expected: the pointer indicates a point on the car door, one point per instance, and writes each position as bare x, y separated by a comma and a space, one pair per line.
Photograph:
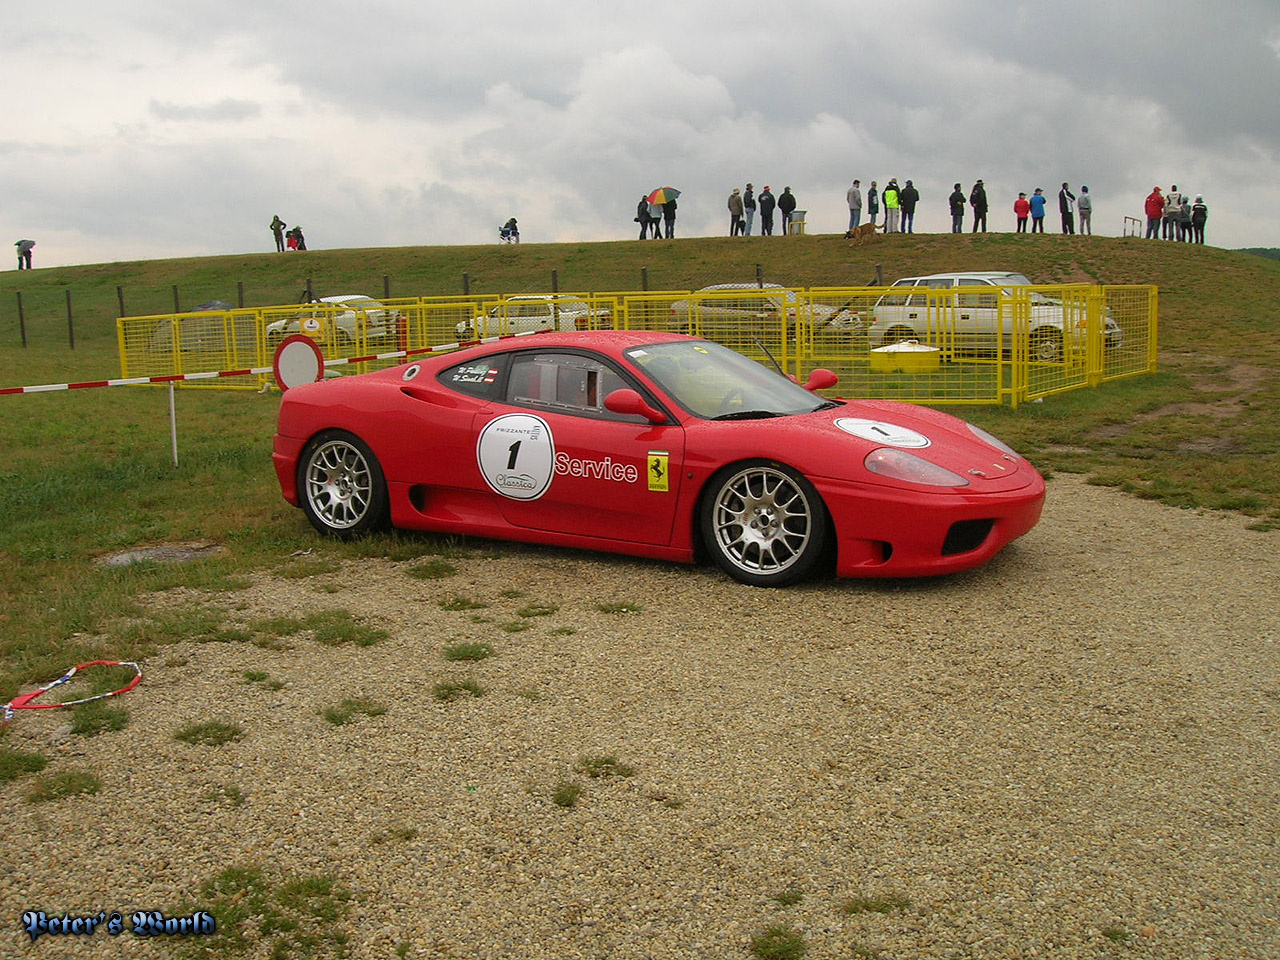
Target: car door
557, 460
978, 321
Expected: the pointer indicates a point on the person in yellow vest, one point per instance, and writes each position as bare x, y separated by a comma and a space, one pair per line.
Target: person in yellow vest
892, 206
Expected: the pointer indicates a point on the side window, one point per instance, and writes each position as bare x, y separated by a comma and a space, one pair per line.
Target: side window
978, 299
479, 378
564, 382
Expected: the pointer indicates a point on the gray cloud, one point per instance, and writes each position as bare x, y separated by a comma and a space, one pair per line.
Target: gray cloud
157, 129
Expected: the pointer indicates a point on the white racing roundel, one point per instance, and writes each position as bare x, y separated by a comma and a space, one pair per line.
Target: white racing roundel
877, 431
517, 455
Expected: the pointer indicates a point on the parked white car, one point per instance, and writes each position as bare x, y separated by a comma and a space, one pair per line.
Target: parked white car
532, 312
976, 318
362, 314
735, 304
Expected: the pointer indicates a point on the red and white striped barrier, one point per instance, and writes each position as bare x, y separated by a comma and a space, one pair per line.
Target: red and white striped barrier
255, 371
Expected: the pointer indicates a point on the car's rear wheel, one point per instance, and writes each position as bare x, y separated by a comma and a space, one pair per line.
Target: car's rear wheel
764, 523
898, 334
1046, 346
341, 486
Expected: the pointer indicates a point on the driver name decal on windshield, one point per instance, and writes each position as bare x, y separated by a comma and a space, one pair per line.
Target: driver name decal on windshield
877, 431
516, 454
604, 469
476, 373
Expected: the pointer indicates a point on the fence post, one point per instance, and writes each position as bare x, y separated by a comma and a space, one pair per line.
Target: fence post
71, 324
644, 279
177, 308
386, 286
120, 299
555, 281
240, 294
311, 294
759, 274
466, 284
22, 320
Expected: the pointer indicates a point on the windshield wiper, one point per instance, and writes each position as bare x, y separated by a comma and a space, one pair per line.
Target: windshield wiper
748, 415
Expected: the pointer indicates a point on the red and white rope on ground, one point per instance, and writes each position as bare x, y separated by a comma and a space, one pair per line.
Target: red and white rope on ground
24, 701
256, 371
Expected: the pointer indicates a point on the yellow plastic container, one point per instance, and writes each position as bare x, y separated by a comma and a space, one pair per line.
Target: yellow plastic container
909, 356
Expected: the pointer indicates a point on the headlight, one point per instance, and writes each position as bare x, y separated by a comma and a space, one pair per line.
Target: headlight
900, 465
983, 435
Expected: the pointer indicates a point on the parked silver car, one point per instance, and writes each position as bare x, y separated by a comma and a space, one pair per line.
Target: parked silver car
735, 305
362, 314
979, 321
532, 312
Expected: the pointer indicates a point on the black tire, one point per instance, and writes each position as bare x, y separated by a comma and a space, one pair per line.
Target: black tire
341, 487
764, 523
897, 334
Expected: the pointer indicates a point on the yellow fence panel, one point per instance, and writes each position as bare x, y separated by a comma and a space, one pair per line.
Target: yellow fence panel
922, 344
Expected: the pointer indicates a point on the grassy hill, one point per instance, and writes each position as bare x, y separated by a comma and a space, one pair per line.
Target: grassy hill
87, 472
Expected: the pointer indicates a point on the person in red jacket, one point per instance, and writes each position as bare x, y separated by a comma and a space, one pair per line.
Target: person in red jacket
1155, 213
1022, 210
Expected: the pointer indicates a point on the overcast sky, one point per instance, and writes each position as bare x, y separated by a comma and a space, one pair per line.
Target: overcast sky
156, 128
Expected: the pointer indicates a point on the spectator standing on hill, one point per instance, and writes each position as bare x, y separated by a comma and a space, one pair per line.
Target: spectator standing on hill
786, 206
767, 202
908, 199
1199, 214
892, 206
1154, 209
1066, 207
1184, 220
749, 208
1085, 205
645, 218
1037, 211
1022, 210
1172, 204
957, 209
873, 203
854, 198
735, 212
669, 218
978, 200
24, 253
277, 230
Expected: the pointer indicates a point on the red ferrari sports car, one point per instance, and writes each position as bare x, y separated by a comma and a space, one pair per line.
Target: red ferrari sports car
657, 445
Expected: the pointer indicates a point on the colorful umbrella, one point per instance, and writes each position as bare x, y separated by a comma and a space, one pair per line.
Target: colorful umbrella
662, 195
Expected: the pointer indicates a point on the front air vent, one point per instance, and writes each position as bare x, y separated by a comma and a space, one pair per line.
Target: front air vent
965, 536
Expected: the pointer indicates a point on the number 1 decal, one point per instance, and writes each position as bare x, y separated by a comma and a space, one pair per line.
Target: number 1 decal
517, 438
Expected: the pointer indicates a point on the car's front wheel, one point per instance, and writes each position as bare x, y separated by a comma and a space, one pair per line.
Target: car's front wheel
764, 523
341, 486
1046, 346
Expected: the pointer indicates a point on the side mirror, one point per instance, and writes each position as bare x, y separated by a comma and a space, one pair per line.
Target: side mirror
627, 401
820, 379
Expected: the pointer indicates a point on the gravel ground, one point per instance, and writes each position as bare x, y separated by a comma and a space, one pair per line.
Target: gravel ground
1071, 753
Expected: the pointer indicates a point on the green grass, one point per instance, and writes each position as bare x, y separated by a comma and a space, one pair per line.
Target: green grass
91, 719
261, 913
88, 472
566, 793
343, 713
468, 651
209, 733
779, 943
447, 690
597, 767
64, 783
19, 763
336, 627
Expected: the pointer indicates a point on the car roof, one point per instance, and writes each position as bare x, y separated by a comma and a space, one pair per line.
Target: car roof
966, 274
345, 298
743, 286
602, 340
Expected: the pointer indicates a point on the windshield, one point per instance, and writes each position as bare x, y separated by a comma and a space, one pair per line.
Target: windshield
711, 381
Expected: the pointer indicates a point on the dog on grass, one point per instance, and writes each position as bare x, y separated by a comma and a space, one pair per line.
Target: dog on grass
861, 233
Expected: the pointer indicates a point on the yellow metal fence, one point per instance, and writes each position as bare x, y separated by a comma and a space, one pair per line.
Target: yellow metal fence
920, 344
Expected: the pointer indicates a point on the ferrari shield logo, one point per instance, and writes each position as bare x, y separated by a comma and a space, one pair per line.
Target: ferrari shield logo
657, 471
